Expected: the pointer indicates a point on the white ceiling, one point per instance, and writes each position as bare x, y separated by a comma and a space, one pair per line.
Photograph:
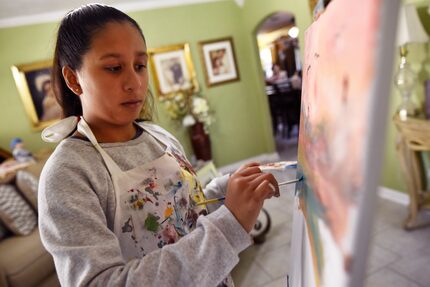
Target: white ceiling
24, 12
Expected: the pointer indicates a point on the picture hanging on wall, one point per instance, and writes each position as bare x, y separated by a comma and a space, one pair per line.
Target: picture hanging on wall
172, 69
219, 61
35, 88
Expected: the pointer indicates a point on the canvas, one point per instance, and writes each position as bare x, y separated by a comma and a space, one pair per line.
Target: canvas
347, 64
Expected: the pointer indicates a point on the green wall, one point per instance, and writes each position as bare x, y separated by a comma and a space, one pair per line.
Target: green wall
254, 13
20, 45
242, 127
419, 59
243, 124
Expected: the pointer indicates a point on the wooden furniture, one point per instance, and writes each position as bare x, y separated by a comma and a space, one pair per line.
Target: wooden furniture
284, 103
4, 154
414, 139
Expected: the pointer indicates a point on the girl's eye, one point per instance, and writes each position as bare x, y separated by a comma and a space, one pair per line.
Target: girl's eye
140, 67
113, 69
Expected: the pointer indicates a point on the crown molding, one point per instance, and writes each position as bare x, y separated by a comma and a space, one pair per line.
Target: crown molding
126, 7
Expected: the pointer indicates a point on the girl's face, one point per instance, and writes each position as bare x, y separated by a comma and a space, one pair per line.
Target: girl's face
113, 76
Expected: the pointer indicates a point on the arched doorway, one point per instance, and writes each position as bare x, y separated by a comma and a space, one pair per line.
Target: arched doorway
277, 38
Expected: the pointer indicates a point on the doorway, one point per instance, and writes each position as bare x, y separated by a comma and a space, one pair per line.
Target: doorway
279, 51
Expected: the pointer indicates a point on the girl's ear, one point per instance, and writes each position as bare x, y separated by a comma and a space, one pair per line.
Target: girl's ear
71, 80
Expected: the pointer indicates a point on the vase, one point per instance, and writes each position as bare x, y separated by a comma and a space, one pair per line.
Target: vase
201, 142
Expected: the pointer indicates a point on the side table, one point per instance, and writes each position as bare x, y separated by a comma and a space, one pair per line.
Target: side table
414, 139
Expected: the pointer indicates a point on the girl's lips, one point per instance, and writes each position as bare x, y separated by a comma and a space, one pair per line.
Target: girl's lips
132, 104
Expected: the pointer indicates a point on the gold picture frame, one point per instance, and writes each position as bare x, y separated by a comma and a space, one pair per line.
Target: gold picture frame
219, 61
172, 69
34, 85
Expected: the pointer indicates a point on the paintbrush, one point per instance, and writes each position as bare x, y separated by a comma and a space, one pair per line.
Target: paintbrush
215, 200
290, 181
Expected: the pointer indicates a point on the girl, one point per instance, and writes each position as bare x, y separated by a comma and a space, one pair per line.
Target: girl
118, 201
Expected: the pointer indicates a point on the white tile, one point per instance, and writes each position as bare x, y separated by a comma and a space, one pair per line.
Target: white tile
276, 262
399, 241
279, 217
249, 274
388, 278
380, 257
415, 266
390, 215
280, 282
277, 237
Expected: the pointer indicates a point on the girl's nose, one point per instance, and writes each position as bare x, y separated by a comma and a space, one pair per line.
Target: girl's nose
132, 81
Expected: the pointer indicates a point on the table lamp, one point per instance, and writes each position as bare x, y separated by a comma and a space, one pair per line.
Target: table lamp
410, 30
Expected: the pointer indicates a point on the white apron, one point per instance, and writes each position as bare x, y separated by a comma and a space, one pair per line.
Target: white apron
155, 202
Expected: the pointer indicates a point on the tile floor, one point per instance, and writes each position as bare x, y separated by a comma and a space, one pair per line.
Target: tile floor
397, 259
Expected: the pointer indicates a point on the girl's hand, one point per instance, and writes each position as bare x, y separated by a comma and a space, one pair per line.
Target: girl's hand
247, 189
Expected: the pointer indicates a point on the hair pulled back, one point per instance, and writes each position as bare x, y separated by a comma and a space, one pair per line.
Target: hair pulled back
74, 38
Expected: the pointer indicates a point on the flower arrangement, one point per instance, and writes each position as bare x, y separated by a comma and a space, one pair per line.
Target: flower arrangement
189, 108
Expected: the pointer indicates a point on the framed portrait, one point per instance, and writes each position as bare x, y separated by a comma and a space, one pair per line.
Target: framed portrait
35, 88
172, 69
219, 61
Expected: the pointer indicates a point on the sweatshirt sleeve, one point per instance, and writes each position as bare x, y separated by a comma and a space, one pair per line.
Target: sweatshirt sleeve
216, 188
74, 229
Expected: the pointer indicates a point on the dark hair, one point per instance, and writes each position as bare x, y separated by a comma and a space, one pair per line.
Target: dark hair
74, 38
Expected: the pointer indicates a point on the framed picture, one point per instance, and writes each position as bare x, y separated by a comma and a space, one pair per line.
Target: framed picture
219, 61
172, 69
35, 88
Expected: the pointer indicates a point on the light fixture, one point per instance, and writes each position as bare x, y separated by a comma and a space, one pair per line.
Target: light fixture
293, 32
410, 30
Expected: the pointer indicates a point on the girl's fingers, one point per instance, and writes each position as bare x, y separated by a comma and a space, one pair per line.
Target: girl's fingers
245, 166
250, 170
265, 176
264, 191
250, 178
274, 184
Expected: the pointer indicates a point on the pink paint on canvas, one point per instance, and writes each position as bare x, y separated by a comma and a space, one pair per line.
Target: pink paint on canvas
339, 67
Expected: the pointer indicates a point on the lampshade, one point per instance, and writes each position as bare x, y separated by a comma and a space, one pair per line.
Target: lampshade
410, 29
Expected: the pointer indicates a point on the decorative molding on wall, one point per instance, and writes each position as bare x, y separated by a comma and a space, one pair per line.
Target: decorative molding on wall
263, 158
393, 195
126, 7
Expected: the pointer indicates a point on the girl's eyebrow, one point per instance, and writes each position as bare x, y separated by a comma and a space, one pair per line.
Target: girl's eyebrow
117, 55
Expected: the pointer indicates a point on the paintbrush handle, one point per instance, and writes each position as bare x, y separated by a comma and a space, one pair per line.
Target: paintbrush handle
289, 181
215, 200
209, 201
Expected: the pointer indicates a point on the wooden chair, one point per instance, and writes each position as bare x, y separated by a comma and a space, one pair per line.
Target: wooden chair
414, 139
284, 105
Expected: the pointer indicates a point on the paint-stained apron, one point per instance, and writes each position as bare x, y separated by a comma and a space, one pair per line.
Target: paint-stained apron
155, 202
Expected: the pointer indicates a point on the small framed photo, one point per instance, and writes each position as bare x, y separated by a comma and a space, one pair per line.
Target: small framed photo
35, 88
172, 69
219, 61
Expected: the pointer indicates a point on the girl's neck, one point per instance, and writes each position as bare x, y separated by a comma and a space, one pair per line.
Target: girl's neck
113, 133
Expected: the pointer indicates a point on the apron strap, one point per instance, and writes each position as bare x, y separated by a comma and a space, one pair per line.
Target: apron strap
60, 130
84, 129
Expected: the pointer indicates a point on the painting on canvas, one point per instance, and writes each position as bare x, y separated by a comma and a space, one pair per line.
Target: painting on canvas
336, 129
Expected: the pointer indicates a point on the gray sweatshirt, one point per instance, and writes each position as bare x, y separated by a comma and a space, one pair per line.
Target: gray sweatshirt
76, 218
